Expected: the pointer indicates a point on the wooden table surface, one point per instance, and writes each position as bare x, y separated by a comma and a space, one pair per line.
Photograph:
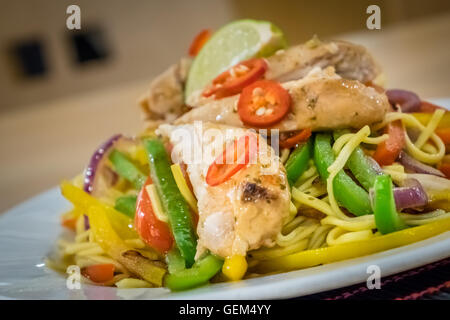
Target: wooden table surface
47, 142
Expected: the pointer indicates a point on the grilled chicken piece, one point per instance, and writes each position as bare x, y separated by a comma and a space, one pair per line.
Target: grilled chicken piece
350, 61
244, 212
165, 98
321, 101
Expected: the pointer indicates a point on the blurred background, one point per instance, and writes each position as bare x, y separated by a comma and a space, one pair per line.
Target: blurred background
62, 92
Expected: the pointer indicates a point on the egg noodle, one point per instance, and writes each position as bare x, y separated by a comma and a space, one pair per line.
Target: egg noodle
315, 218
337, 227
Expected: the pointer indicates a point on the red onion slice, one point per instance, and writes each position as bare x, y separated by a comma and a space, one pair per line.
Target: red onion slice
415, 166
94, 164
408, 101
411, 195
91, 175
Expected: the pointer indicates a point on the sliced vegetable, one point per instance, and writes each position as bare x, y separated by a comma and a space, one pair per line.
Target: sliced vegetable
69, 223
310, 258
224, 49
116, 248
96, 164
425, 118
445, 169
156, 203
175, 261
232, 81
199, 41
99, 272
152, 231
263, 103
126, 205
122, 224
235, 267
351, 196
296, 139
388, 150
407, 100
363, 167
183, 186
298, 161
444, 134
387, 219
234, 158
203, 270
429, 107
174, 205
412, 195
415, 166
127, 169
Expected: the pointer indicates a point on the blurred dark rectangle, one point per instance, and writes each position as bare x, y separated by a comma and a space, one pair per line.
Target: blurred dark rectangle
89, 45
30, 58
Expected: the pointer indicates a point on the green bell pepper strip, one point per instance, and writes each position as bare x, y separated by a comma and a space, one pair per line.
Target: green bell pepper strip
361, 167
298, 161
127, 169
173, 202
126, 205
200, 273
387, 219
351, 196
175, 261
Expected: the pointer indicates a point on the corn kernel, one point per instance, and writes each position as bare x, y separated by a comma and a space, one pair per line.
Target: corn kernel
235, 267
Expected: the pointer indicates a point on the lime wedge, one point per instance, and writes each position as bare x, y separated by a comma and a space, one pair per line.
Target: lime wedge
234, 42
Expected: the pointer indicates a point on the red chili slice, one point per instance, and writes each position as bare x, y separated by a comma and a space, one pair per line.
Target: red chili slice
292, 141
263, 103
235, 157
199, 41
235, 79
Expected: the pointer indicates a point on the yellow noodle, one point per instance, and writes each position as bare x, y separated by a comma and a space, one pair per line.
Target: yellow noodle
318, 237
312, 202
410, 121
265, 254
284, 155
431, 126
351, 224
299, 233
339, 164
339, 236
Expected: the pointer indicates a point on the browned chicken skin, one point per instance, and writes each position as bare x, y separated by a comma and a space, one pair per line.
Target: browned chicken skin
320, 101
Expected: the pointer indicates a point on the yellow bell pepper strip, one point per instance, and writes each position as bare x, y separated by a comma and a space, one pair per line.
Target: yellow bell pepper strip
424, 118
310, 258
115, 247
298, 161
174, 205
387, 219
80, 199
127, 169
346, 191
183, 186
126, 205
235, 267
200, 273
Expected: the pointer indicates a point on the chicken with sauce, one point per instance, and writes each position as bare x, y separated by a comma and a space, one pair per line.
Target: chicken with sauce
246, 211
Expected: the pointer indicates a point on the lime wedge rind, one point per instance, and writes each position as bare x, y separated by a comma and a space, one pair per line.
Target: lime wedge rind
234, 42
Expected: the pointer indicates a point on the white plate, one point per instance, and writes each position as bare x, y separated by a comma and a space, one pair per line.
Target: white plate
28, 233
